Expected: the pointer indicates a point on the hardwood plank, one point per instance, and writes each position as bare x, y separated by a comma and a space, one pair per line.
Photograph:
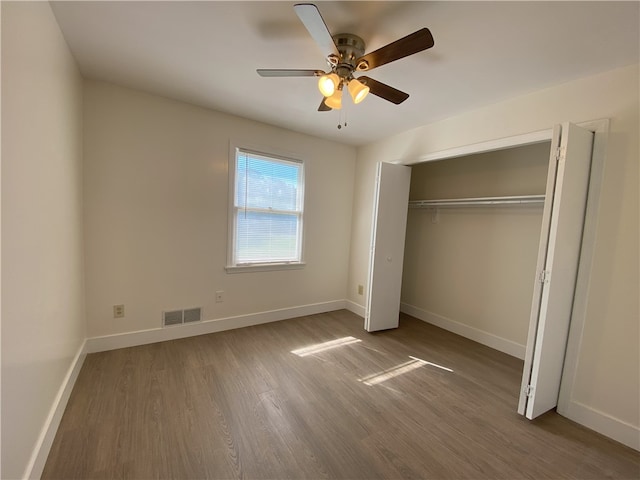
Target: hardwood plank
414, 402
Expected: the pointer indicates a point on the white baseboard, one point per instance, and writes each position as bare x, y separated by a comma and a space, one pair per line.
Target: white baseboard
144, 337
498, 343
603, 423
48, 433
355, 308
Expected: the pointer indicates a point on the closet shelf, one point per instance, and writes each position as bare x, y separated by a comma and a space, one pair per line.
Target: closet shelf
479, 201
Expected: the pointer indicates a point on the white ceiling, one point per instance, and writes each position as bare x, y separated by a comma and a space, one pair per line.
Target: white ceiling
206, 53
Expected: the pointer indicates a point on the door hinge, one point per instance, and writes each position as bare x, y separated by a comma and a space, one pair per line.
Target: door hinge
561, 153
544, 276
528, 390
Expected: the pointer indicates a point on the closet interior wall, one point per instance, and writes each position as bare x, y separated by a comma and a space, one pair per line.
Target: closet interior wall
471, 269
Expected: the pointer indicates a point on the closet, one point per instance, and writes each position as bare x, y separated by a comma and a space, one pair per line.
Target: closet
472, 243
492, 249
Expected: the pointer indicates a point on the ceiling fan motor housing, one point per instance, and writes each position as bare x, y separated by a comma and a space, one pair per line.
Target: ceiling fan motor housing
351, 47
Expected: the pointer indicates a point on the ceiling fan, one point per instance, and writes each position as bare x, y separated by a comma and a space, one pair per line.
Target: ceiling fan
345, 55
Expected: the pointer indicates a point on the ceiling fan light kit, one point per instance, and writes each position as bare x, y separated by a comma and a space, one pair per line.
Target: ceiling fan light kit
331, 87
335, 101
357, 90
328, 84
345, 55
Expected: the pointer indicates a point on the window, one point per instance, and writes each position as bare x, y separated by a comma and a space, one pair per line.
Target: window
267, 211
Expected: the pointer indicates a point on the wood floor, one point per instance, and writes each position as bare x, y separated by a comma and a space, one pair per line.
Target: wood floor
416, 402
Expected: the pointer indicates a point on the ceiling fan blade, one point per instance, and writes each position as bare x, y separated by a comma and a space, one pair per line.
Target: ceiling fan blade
281, 72
323, 106
412, 43
383, 90
311, 18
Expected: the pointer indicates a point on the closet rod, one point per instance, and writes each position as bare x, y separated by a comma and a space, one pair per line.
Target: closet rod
479, 201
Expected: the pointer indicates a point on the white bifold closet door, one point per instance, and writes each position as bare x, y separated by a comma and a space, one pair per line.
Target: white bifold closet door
557, 268
391, 202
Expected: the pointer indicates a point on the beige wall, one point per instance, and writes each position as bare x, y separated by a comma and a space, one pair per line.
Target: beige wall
43, 324
607, 378
156, 189
512, 171
476, 265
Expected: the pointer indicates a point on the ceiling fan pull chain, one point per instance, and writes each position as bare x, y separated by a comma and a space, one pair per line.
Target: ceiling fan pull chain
340, 122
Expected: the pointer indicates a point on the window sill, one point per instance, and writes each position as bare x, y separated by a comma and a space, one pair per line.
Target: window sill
264, 267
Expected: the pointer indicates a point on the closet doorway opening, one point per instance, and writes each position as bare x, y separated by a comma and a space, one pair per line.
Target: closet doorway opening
473, 229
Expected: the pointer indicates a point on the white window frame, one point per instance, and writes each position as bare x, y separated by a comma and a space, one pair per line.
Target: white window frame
232, 266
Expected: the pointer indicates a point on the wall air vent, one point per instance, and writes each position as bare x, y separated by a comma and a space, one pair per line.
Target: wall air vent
173, 317
178, 317
192, 315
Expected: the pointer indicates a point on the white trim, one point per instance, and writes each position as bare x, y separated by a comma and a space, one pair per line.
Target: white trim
482, 147
264, 267
497, 343
47, 434
154, 335
355, 308
605, 424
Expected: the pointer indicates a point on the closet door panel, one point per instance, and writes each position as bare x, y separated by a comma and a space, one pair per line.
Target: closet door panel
387, 246
558, 277
542, 258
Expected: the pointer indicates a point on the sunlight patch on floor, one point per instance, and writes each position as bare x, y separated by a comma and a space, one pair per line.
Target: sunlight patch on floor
401, 369
431, 364
322, 347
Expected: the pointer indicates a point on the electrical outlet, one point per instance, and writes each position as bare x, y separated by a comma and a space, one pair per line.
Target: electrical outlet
360, 289
118, 311
220, 296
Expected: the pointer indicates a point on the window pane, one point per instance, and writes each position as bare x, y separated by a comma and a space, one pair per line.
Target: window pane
267, 209
269, 184
266, 237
